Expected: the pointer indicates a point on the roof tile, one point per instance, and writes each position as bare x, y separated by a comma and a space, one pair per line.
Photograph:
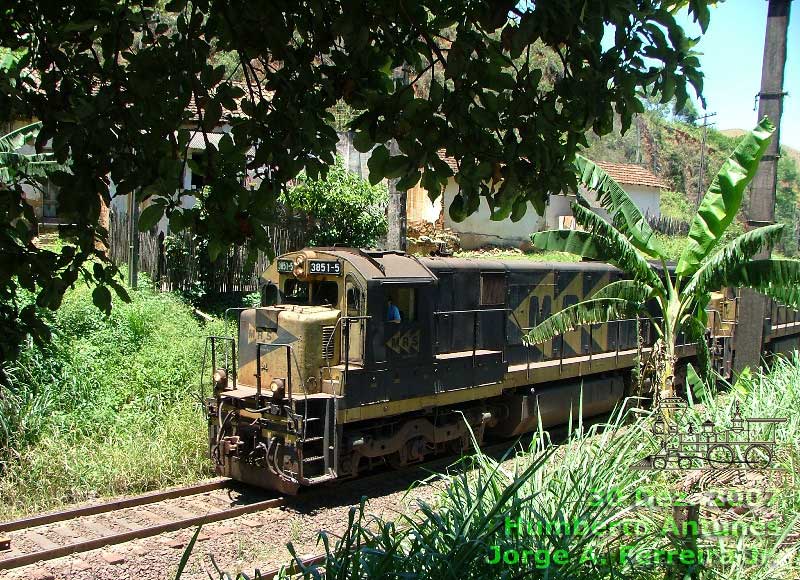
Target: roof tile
631, 174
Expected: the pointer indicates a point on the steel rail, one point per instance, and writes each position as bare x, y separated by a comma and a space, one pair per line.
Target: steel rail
110, 506
145, 532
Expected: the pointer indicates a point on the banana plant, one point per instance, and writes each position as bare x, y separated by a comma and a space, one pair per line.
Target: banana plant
15, 165
706, 265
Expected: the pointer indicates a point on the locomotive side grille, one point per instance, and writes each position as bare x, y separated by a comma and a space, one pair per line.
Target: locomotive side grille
327, 342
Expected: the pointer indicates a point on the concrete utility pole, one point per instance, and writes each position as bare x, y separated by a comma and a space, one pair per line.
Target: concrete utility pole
703, 157
753, 314
396, 235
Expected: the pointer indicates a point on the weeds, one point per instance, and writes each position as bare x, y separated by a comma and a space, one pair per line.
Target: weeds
109, 407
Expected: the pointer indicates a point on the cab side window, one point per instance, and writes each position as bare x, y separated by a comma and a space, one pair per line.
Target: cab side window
493, 289
354, 299
405, 299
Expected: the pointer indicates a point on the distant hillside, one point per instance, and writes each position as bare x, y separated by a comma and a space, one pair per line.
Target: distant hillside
733, 132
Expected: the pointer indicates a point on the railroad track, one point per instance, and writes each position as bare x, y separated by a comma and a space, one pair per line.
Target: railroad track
48, 536
54, 535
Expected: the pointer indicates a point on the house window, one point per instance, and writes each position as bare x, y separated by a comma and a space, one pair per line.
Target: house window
198, 180
493, 289
50, 202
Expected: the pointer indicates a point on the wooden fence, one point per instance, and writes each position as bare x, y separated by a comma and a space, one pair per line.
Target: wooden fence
180, 261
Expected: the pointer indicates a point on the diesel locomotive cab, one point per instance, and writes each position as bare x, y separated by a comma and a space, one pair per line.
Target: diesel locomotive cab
272, 422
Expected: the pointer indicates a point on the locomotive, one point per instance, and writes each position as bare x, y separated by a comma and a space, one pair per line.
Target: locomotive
357, 358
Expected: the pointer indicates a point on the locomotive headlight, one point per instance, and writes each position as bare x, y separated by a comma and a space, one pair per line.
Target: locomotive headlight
220, 379
277, 388
299, 266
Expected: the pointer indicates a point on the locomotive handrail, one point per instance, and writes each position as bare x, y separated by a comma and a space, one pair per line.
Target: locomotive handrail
474, 312
234, 366
348, 319
239, 309
443, 312
335, 326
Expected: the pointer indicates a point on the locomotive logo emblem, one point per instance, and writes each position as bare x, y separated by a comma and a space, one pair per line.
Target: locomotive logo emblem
405, 341
749, 442
267, 335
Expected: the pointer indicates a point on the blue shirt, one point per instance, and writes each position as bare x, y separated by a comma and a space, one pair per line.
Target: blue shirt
394, 313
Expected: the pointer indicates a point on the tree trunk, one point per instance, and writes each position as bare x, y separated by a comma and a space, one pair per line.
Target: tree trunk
665, 367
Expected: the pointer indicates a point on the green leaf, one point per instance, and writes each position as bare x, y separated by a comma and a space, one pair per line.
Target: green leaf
724, 197
395, 166
409, 180
743, 384
101, 297
586, 312
576, 242
362, 142
625, 214
713, 274
778, 278
376, 164
617, 249
629, 290
697, 386
187, 553
15, 139
150, 216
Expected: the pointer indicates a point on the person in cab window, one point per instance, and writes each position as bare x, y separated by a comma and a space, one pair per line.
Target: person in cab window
393, 312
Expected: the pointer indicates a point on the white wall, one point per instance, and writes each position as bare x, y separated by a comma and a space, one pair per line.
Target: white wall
647, 198
479, 229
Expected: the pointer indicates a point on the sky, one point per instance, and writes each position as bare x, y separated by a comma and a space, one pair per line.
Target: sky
732, 50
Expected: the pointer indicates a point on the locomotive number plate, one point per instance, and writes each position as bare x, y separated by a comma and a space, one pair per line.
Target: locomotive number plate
331, 268
285, 266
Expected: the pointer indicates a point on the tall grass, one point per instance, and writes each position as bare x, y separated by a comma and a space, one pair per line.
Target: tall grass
566, 493
586, 479
108, 407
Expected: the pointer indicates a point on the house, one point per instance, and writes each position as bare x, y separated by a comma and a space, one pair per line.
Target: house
44, 198
479, 230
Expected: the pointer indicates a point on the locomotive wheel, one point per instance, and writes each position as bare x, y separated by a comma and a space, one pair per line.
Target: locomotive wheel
720, 456
660, 462
758, 456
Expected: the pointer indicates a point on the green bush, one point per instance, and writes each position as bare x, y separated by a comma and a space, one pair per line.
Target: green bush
345, 209
109, 407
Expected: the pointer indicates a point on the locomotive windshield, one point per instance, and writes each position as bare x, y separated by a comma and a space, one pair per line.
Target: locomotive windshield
295, 292
323, 293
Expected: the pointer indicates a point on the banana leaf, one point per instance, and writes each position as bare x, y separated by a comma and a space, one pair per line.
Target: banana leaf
15, 139
618, 250
625, 214
629, 290
778, 278
712, 274
586, 312
724, 197
575, 242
